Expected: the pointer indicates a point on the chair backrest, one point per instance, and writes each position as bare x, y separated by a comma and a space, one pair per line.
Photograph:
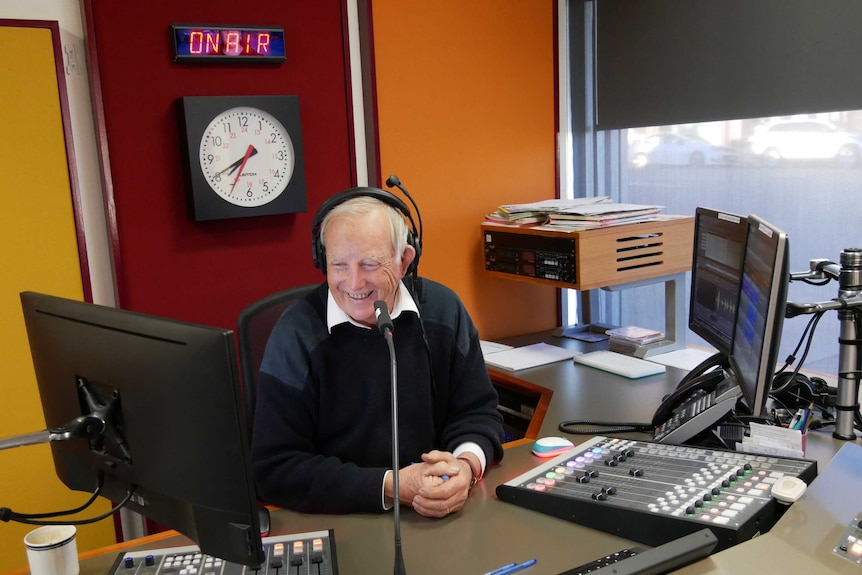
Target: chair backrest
253, 328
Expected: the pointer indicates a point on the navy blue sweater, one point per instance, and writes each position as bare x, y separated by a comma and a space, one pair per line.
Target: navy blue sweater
322, 438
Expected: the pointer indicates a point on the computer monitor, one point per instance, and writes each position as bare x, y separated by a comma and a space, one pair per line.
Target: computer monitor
760, 311
169, 393
716, 272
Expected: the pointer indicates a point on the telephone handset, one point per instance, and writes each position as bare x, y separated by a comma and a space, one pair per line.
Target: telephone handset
702, 399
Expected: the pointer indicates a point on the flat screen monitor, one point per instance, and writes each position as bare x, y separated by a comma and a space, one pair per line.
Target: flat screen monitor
170, 396
761, 309
716, 272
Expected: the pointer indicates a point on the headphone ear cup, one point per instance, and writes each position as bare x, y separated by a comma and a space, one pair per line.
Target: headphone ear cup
796, 392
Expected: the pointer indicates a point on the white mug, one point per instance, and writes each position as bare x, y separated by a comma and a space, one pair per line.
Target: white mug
51, 550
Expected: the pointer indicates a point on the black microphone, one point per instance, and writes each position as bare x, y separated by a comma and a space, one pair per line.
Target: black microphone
384, 324
394, 181
381, 312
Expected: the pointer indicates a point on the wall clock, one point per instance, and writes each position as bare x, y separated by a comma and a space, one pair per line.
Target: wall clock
242, 156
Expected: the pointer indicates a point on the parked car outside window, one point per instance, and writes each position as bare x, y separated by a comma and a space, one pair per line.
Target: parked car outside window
670, 149
806, 140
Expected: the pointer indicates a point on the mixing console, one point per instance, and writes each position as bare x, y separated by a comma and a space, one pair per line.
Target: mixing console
311, 553
653, 492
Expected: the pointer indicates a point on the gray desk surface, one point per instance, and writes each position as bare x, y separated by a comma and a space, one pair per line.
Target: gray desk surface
488, 533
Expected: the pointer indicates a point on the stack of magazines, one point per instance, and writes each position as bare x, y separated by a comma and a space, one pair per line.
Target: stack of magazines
629, 339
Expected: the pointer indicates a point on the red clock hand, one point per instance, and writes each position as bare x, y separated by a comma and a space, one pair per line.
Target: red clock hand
248, 154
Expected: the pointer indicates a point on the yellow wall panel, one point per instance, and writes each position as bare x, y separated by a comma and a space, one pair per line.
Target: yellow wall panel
39, 251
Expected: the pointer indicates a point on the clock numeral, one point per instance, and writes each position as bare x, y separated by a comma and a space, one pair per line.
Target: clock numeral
277, 173
217, 141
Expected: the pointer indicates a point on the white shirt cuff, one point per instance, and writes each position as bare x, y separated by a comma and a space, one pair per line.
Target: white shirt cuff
472, 447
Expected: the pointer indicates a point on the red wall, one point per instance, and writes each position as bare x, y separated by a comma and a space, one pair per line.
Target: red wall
208, 271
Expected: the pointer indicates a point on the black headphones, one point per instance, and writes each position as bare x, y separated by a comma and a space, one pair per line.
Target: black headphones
798, 391
413, 234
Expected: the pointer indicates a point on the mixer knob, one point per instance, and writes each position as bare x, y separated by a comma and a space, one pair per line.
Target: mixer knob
584, 479
611, 462
636, 472
725, 483
629, 452
707, 497
716, 491
592, 473
610, 490
747, 467
599, 496
698, 504
689, 510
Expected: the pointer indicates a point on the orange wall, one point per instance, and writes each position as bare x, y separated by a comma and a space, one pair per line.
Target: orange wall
465, 95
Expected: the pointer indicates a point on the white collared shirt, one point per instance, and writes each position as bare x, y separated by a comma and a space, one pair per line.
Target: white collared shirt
336, 316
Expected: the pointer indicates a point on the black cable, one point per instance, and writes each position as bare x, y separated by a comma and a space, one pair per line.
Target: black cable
601, 427
6, 514
807, 336
11, 516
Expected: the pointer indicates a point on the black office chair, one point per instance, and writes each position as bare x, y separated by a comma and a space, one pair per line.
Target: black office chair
253, 328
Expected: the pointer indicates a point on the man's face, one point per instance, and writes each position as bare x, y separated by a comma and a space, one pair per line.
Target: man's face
360, 264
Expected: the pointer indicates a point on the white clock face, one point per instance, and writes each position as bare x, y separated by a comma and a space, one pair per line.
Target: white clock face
247, 156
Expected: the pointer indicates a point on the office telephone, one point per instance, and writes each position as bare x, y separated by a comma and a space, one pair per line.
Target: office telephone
700, 401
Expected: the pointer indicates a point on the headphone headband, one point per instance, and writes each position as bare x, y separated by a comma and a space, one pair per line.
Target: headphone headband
388, 198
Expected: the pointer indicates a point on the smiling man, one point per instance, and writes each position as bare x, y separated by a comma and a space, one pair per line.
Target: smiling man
322, 439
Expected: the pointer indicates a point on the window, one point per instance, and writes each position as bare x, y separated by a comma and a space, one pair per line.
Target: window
799, 171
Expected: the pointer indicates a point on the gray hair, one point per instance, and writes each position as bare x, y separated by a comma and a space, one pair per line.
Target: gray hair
364, 205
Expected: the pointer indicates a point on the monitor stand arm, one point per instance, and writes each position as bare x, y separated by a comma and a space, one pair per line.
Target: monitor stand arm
849, 276
84, 427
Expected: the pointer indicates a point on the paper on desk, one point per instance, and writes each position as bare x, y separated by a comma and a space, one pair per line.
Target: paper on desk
489, 347
529, 356
772, 440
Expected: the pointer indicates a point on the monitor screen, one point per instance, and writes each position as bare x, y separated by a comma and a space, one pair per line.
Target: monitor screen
761, 308
716, 271
176, 430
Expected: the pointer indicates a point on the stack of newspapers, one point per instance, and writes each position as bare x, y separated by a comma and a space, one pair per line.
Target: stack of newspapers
580, 213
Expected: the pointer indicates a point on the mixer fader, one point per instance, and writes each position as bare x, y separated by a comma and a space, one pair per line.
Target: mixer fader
653, 492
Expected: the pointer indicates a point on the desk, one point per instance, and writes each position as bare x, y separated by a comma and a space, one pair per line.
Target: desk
488, 533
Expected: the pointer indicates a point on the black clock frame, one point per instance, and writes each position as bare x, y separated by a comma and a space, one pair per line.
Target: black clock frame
203, 203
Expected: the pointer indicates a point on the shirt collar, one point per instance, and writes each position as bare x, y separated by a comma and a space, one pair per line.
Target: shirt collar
336, 316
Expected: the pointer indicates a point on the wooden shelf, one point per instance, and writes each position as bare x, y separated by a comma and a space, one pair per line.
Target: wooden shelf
614, 255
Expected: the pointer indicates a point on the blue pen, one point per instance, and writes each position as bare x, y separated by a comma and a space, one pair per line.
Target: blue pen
518, 567
499, 570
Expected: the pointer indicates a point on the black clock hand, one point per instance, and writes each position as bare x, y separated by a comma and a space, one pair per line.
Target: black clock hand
231, 168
